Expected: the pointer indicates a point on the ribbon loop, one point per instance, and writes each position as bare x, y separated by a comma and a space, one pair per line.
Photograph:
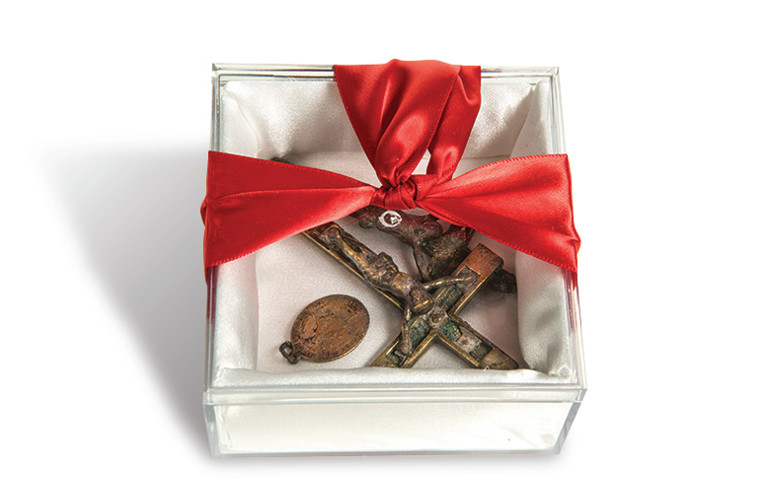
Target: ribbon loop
400, 110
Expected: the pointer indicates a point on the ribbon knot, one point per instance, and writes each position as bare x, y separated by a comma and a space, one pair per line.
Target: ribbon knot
405, 195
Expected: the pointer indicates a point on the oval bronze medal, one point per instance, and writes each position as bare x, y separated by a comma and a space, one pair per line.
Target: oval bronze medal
327, 329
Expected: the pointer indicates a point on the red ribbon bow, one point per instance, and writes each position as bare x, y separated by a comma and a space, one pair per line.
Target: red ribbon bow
398, 111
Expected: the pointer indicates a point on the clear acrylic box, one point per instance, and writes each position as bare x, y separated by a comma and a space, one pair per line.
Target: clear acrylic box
256, 403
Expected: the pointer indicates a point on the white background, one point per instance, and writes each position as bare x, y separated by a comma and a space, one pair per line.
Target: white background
105, 126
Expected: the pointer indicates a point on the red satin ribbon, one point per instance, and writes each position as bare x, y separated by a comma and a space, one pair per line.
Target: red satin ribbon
398, 110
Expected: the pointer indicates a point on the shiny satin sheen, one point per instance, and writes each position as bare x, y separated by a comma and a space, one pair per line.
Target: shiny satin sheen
398, 111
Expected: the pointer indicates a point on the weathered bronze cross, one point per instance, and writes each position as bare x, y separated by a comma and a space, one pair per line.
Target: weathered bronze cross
438, 323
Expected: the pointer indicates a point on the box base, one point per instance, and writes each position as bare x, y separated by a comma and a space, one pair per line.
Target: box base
388, 428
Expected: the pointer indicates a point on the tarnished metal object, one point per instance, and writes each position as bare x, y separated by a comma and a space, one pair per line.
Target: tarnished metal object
327, 329
436, 252
503, 281
423, 321
443, 324
380, 271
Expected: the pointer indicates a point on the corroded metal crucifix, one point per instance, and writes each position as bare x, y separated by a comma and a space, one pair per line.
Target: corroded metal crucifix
427, 318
